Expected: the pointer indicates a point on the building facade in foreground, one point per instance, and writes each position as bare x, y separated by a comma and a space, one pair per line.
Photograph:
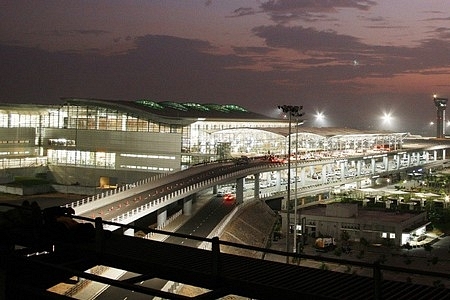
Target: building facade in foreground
83, 140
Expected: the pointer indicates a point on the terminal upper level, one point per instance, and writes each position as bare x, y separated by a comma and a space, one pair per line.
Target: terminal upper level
124, 141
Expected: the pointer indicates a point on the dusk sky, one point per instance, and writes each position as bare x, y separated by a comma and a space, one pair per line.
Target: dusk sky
352, 60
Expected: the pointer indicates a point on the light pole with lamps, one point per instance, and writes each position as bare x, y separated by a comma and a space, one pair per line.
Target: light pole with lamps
297, 123
291, 111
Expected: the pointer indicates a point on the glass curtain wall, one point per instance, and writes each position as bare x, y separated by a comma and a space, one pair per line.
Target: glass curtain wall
98, 118
21, 151
250, 141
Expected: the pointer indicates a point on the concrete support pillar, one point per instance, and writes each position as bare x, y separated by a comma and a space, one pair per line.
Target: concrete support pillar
324, 174
417, 160
326, 169
426, 156
358, 168
303, 176
295, 171
397, 161
385, 163
256, 186
278, 180
312, 170
240, 190
443, 154
330, 168
373, 165
187, 206
161, 217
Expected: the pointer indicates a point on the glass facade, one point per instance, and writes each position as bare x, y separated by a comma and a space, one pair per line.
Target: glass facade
84, 118
82, 158
246, 141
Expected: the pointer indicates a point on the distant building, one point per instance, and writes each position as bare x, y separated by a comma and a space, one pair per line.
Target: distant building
375, 226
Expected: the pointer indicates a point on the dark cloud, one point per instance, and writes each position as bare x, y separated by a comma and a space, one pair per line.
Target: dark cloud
384, 27
307, 39
251, 50
316, 61
443, 33
438, 19
166, 68
286, 18
71, 33
315, 5
376, 19
340, 50
243, 11
285, 11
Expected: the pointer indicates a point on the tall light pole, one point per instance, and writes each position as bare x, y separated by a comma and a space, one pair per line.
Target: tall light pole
290, 111
295, 186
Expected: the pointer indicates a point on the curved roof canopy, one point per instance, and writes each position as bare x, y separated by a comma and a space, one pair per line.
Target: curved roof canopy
197, 110
329, 132
174, 112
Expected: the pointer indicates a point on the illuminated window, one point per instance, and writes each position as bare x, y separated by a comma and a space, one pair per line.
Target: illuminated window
147, 156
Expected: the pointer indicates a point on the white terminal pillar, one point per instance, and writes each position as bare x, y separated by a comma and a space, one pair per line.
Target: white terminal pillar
256, 186
240, 190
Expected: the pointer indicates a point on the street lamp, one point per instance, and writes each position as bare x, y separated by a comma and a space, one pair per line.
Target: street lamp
387, 118
320, 119
291, 111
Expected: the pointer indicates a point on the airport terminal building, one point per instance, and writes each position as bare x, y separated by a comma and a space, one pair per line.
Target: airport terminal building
83, 140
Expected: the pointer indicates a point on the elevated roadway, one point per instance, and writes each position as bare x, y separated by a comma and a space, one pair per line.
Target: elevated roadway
127, 204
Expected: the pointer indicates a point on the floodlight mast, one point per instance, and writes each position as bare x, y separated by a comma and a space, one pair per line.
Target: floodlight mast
291, 111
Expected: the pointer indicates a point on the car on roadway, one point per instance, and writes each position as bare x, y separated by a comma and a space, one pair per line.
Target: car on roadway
229, 197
